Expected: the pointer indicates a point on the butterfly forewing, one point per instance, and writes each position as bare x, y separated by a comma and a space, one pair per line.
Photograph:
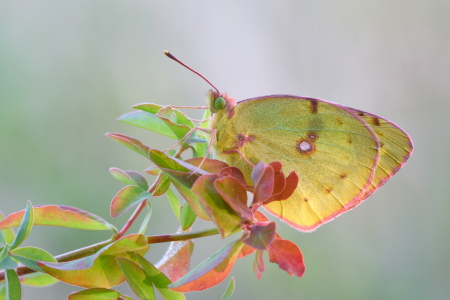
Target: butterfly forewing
333, 151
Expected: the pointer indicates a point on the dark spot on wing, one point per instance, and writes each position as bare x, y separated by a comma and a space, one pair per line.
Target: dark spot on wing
360, 113
305, 147
313, 106
376, 121
312, 136
343, 176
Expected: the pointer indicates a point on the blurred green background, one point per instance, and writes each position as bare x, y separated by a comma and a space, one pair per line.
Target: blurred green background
69, 68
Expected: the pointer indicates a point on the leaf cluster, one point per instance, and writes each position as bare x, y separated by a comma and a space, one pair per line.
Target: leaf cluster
210, 190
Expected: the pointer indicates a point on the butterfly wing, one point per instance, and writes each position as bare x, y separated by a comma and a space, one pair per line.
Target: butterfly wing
395, 147
333, 150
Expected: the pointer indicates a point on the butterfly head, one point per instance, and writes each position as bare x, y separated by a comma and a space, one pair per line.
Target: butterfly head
219, 101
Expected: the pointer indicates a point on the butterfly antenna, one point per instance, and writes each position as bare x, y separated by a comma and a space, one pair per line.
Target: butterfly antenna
169, 55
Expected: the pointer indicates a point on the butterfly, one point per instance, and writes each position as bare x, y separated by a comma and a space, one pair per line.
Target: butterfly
340, 154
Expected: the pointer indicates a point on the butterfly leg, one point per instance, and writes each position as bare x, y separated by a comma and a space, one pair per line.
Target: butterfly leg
208, 151
242, 155
191, 107
187, 136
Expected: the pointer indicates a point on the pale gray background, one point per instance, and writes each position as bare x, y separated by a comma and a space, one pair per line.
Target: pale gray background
69, 68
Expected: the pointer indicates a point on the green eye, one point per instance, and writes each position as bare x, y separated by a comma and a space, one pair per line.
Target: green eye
219, 103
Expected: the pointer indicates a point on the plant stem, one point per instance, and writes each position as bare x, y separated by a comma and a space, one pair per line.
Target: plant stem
137, 211
131, 220
92, 249
181, 236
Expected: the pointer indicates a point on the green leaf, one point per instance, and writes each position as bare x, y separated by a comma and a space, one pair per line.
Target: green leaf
5, 259
7, 235
187, 193
144, 224
37, 279
2, 291
99, 270
129, 177
162, 185
164, 161
168, 112
187, 217
25, 226
2, 238
229, 291
174, 203
169, 117
210, 272
147, 121
139, 282
126, 198
13, 287
160, 281
130, 142
29, 255
95, 294
62, 216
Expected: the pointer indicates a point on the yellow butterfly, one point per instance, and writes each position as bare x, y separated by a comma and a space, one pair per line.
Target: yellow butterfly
340, 154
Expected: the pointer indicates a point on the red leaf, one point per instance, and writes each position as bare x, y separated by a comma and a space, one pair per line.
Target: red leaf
288, 256
260, 216
261, 235
263, 180
246, 250
279, 183
209, 165
176, 261
291, 185
210, 272
234, 172
276, 165
258, 264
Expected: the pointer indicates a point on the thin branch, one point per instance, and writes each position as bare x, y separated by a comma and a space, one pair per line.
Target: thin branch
131, 220
92, 249
181, 236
